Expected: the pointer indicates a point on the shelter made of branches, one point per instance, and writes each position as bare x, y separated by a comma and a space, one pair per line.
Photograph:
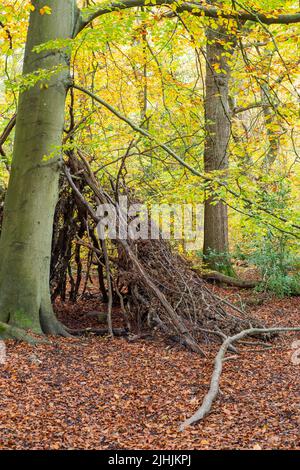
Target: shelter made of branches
156, 287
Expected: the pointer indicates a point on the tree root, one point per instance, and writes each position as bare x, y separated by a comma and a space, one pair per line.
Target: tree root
220, 358
12, 332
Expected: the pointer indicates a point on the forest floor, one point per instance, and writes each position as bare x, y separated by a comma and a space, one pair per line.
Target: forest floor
101, 393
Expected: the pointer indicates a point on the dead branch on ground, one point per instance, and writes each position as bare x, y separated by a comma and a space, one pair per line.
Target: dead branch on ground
216, 375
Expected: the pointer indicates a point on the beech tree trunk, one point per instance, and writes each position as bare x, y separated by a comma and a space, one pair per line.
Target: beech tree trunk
218, 129
25, 245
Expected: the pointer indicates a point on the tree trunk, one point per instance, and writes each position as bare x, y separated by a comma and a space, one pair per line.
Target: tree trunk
218, 130
25, 244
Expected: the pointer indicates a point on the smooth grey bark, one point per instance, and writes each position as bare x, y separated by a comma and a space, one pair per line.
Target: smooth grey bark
25, 244
218, 130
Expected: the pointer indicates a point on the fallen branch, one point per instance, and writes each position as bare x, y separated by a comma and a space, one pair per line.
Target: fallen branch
220, 358
230, 281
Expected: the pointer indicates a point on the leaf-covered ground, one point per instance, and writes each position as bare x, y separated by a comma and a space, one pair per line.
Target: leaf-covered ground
98, 393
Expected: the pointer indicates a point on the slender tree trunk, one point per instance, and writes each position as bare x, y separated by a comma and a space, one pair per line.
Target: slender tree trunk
270, 118
218, 130
25, 245
270, 102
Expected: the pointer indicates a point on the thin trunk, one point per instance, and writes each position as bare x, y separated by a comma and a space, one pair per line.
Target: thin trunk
25, 244
270, 118
218, 130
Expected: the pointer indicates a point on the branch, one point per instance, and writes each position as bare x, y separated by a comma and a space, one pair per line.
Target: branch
6, 133
142, 131
193, 8
167, 149
268, 18
99, 331
242, 109
116, 6
215, 378
230, 281
8, 34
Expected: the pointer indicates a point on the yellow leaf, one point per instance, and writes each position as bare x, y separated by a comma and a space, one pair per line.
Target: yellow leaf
45, 10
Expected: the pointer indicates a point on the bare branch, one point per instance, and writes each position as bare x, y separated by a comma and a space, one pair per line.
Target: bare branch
219, 360
5, 134
194, 8
243, 109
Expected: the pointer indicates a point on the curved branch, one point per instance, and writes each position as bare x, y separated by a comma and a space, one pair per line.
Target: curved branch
215, 378
267, 18
194, 8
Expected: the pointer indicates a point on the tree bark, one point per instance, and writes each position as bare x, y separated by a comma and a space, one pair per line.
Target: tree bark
218, 130
25, 244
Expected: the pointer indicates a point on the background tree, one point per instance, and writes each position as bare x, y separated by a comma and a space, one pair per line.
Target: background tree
219, 50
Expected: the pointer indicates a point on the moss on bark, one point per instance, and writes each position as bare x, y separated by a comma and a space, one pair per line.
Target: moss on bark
26, 237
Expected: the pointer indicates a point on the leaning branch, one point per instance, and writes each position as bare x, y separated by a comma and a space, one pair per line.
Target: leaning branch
194, 8
142, 131
219, 360
167, 149
188, 339
5, 134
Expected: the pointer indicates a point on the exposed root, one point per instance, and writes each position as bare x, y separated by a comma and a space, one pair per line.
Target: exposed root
49, 323
12, 332
219, 360
55, 328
